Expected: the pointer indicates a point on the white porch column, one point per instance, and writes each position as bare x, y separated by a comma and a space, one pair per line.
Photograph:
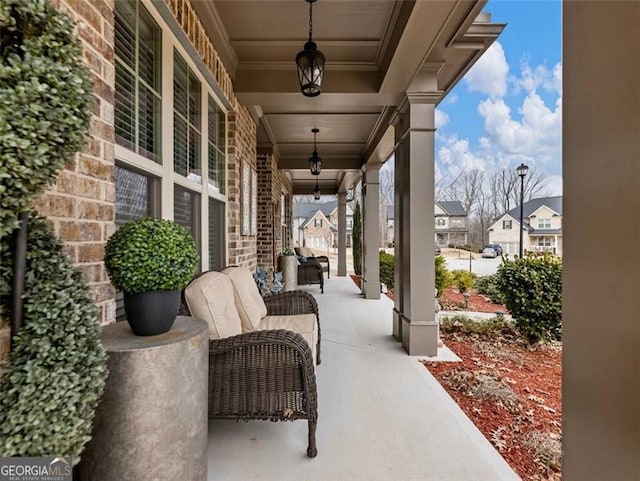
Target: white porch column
342, 234
419, 329
371, 233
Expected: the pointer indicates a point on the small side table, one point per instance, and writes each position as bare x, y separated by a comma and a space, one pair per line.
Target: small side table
151, 423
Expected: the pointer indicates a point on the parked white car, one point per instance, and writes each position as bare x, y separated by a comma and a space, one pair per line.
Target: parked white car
489, 252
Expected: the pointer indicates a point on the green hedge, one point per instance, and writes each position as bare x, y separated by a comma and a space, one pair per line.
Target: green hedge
45, 102
532, 289
56, 370
356, 238
387, 262
443, 276
488, 286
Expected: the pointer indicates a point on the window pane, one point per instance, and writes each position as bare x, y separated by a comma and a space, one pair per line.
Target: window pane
149, 119
124, 108
216, 235
132, 195
186, 211
149, 50
180, 145
138, 67
125, 28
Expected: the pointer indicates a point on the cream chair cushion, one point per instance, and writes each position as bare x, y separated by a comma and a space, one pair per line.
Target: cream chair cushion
305, 251
210, 298
303, 324
248, 300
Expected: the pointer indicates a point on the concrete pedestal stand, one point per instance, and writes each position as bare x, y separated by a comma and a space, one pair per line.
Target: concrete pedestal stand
151, 423
289, 267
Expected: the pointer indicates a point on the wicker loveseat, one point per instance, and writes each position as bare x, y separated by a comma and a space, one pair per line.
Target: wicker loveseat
322, 260
262, 353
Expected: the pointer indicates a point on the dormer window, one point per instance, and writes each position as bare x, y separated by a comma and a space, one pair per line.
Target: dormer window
544, 223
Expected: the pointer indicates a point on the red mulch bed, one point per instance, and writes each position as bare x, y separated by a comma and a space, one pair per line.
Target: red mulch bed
452, 300
513, 395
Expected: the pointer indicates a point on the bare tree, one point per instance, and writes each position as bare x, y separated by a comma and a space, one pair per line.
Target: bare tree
536, 184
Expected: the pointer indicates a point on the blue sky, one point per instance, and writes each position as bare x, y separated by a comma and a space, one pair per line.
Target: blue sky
508, 107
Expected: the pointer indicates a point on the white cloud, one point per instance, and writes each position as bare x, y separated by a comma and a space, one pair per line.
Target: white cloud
538, 133
489, 74
441, 118
539, 76
451, 99
455, 156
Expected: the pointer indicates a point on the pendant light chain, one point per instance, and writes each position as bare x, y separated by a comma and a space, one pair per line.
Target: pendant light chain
310, 20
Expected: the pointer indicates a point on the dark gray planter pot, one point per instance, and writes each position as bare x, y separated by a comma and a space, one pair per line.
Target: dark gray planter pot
151, 313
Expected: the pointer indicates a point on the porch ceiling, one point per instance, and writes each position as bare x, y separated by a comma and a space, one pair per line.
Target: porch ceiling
376, 51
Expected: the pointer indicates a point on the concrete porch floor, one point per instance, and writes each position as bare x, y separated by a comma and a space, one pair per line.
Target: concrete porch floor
382, 415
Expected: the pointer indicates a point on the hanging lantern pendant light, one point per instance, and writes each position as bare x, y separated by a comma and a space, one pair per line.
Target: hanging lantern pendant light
310, 63
315, 161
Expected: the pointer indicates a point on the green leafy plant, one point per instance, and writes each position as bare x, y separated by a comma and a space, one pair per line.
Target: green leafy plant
45, 102
150, 255
356, 238
288, 252
443, 276
56, 370
387, 262
492, 327
462, 280
488, 286
532, 289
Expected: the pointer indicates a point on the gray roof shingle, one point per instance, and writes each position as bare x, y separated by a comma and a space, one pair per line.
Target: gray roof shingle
452, 207
529, 207
306, 210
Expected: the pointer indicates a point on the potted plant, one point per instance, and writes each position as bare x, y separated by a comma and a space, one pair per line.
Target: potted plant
288, 265
151, 260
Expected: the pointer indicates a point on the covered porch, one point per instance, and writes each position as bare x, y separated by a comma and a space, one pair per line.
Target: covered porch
382, 415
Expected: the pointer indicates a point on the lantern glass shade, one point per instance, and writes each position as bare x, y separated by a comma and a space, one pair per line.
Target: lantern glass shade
522, 170
316, 193
315, 163
310, 63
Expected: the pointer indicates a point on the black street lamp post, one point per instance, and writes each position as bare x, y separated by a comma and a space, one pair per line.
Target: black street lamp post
522, 173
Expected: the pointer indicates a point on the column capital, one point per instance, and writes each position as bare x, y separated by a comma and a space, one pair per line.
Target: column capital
342, 197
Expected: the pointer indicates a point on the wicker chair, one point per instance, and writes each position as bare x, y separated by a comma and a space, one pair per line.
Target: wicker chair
310, 273
266, 374
322, 260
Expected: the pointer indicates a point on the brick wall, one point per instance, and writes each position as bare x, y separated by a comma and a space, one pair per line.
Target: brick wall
81, 205
271, 185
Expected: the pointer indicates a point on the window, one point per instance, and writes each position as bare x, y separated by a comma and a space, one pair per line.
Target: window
317, 222
506, 225
216, 130
138, 55
545, 241
186, 210
440, 222
544, 223
186, 120
148, 59
216, 235
349, 223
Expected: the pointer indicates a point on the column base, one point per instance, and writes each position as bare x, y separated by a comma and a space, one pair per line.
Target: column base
342, 272
397, 324
371, 290
420, 338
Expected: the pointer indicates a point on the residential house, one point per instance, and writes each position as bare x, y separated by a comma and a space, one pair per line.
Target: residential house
452, 228
542, 219
315, 225
451, 223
